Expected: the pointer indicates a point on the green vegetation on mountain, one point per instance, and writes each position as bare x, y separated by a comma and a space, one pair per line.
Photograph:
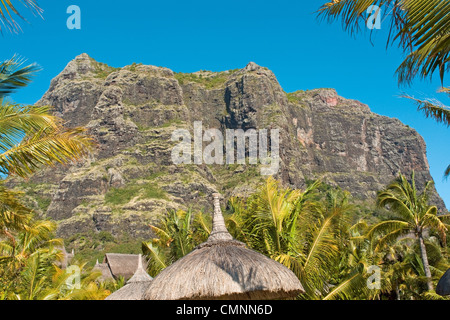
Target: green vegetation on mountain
207, 79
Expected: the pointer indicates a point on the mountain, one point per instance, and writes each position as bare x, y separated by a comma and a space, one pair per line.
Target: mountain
133, 112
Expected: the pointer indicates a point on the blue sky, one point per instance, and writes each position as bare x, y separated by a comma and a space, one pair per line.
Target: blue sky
187, 36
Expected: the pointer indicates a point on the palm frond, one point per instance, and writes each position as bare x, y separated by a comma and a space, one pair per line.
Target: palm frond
46, 147
352, 13
320, 250
430, 295
157, 258
291, 262
14, 76
13, 214
421, 27
346, 289
17, 121
396, 203
431, 219
392, 237
432, 109
427, 26
163, 237
445, 90
8, 13
36, 234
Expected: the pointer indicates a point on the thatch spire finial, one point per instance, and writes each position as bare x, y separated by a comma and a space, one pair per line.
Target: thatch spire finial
140, 262
219, 231
140, 275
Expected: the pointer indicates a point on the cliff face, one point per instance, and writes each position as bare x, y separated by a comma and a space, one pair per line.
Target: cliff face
133, 111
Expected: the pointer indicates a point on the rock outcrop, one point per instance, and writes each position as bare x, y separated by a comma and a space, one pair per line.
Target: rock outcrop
132, 112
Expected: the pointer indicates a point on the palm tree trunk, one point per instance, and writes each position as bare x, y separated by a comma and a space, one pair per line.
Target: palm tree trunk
426, 266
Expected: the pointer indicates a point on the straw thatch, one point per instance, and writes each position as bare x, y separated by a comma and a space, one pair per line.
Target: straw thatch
103, 268
122, 264
443, 286
135, 287
223, 268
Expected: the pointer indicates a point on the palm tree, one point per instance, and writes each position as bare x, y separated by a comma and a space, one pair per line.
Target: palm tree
420, 27
28, 269
269, 221
25, 257
346, 275
412, 216
89, 288
306, 235
175, 239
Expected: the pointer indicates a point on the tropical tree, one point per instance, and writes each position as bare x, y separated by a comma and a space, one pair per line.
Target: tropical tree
273, 216
29, 258
303, 231
351, 266
25, 255
412, 216
174, 239
64, 286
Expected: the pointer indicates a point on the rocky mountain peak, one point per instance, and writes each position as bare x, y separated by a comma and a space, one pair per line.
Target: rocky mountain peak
132, 112
251, 66
78, 67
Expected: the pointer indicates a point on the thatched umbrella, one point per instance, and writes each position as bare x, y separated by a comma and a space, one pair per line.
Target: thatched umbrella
223, 268
443, 286
135, 287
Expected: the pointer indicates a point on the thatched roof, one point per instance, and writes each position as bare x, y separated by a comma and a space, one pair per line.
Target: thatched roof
122, 264
105, 271
443, 286
135, 287
223, 268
